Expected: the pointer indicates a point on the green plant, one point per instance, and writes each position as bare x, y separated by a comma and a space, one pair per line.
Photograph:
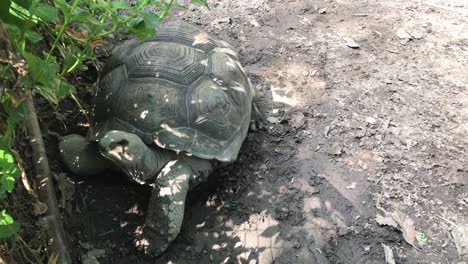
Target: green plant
9, 171
41, 43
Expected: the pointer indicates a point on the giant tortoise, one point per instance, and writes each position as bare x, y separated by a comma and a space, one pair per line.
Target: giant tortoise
168, 111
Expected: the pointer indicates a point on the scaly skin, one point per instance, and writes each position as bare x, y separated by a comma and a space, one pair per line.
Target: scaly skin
131, 155
171, 173
166, 208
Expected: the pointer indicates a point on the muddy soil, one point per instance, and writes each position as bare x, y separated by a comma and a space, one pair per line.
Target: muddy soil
365, 109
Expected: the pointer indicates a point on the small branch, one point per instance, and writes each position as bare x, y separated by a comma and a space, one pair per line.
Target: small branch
446, 220
45, 185
62, 30
165, 11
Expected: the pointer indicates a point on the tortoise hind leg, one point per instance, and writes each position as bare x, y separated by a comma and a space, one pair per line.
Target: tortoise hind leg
166, 208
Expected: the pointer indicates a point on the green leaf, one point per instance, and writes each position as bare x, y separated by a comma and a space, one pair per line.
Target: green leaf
141, 3
16, 114
83, 16
26, 4
136, 26
120, 5
7, 182
158, 4
135, 22
33, 36
13, 29
39, 70
150, 19
178, 5
47, 92
99, 6
88, 51
65, 89
5, 9
44, 11
69, 55
55, 89
82, 67
421, 237
9, 171
144, 27
200, 2
62, 4
115, 19
7, 225
19, 12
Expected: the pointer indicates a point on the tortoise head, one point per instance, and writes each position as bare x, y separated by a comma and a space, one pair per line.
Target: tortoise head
126, 151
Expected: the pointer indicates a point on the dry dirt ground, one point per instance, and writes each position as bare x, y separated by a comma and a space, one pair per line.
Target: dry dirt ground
363, 147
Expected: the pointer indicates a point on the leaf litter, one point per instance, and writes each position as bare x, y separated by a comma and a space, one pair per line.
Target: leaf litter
402, 222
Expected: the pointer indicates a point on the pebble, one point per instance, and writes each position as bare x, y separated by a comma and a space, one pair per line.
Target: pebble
222, 20
371, 120
335, 150
401, 33
352, 44
273, 120
297, 120
254, 23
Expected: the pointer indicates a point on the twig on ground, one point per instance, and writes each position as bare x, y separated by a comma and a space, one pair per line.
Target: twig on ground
446, 220
45, 187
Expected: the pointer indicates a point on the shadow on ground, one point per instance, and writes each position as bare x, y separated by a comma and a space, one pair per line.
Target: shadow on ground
281, 202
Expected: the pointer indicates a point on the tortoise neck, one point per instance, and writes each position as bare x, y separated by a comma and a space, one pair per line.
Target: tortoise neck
155, 159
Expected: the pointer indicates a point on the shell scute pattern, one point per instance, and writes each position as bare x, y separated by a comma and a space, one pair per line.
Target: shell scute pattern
229, 75
173, 62
181, 90
185, 34
212, 110
109, 94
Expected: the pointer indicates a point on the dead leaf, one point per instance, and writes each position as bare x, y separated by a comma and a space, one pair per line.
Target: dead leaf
297, 120
388, 254
8, 55
386, 220
460, 236
431, 10
66, 190
80, 35
406, 226
39, 208
96, 42
24, 178
53, 259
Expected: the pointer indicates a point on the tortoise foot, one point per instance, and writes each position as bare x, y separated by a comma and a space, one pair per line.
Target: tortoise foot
151, 242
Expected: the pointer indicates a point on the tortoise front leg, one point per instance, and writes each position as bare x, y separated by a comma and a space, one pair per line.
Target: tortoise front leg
256, 118
166, 207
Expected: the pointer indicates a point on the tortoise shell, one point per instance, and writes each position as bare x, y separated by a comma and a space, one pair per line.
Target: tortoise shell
181, 89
